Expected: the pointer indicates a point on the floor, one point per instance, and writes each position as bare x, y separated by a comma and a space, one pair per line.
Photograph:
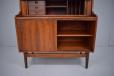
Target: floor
101, 64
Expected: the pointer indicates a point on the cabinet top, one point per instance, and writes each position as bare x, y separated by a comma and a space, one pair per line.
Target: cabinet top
55, 7
60, 17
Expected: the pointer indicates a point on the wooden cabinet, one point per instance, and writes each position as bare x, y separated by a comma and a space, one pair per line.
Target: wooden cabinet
36, 35
56, 29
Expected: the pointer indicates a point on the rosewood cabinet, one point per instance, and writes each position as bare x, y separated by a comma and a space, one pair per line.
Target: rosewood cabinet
56, 29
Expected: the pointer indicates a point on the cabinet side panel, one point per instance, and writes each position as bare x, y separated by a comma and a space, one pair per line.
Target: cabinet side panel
93, 32
23, 35
88, 7
26, 35
18, 33
26, 38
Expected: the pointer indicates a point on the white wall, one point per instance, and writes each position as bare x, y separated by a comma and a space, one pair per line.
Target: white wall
9, 8
103, 10
111, 37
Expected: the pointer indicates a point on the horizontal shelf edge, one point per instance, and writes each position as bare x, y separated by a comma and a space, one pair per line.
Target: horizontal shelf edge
59, 17
59, 52
56, 6
72, 35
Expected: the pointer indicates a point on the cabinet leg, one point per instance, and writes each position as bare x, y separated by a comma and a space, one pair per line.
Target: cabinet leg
25, 60
87, 60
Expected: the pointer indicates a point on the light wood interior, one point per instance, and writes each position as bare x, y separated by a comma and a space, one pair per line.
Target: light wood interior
56, 7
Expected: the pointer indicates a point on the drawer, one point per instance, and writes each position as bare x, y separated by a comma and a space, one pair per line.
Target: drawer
42, 3
37, 12
36, 7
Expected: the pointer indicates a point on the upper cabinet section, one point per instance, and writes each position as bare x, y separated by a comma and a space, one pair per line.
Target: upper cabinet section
56, 7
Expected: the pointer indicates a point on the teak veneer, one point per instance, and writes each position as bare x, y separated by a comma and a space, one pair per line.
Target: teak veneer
56, 29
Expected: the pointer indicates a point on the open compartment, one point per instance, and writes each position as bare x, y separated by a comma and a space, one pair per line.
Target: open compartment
75, 28
56, 3
76, 44
57, 11
56, 7
76, 7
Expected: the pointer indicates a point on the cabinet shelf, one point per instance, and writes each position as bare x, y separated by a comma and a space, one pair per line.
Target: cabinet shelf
57, 11
70, 28
56, 3
73, 34
56, 6
73, 46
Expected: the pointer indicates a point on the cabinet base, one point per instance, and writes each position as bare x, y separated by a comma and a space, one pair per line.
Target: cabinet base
57, 55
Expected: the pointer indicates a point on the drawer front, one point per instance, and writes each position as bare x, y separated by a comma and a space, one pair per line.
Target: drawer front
36, 7
36, 10
42, 3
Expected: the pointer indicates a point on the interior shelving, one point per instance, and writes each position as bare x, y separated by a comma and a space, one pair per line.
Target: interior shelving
55, 7
74, 28
74, 35
76, 7
58, 11
73, 44
58, 7
57, 3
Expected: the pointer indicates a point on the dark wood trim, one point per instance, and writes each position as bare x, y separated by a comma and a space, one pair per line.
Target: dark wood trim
87, 60
25, 60
56, 55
